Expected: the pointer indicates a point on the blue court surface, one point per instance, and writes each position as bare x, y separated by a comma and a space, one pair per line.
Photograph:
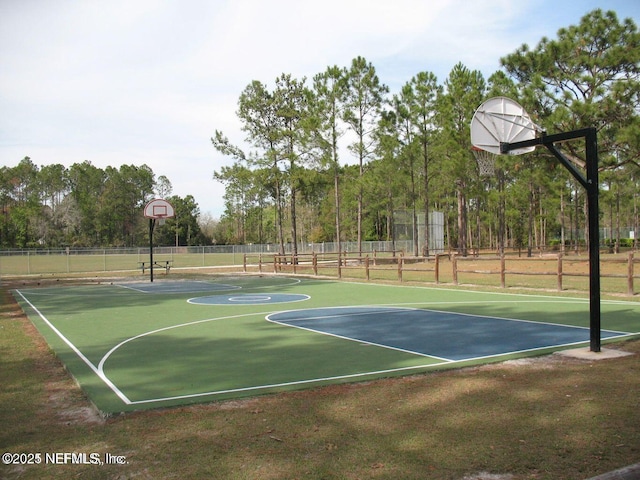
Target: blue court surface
445, 335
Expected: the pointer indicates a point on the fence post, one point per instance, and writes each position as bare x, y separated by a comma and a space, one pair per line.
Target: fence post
630, 274
315, 263
503, 268
366, 266
560, 272
454, 267
400, 264
260, 262
437, 268
244, 263
340, 265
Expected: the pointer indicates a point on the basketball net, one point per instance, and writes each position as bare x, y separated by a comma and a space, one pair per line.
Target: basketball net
486, 161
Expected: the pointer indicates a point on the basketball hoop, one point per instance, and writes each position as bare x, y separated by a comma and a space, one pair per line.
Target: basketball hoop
486, 161
502, 120
158, 209
501, 126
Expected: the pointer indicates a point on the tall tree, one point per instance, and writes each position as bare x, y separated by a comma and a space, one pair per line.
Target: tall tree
183, 228
6, 236
327, 109
126, 190
399, 149
292, 110
363, 105
389, 178
257, 110
163, 187
54, 185
26, 208
464, 92
238, 180
420, 96
87, 184
588, 77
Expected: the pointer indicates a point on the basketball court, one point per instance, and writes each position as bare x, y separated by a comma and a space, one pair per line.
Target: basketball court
135, 345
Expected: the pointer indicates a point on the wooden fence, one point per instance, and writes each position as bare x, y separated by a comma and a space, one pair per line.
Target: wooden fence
444, 268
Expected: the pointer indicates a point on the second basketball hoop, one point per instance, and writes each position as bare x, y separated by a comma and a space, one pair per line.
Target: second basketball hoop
158, 209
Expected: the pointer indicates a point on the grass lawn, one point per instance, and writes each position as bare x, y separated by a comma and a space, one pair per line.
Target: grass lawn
549, 417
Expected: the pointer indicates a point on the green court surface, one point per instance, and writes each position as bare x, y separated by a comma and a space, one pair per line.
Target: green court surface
140, 345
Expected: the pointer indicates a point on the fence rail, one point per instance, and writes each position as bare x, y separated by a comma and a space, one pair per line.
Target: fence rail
383, 261
392, 265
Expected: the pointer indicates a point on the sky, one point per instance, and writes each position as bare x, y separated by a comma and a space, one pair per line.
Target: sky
149, 81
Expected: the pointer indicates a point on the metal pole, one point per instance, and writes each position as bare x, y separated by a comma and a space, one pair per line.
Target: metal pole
594, 238
590, 183
151, 225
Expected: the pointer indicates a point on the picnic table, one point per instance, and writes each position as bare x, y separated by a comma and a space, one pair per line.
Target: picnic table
166, 264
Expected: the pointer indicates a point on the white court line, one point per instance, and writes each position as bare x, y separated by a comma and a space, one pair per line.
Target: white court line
175, 285
293, 281
285, 384
341, 377
95, 370
164, 329
481, 292
397, 306
300, 297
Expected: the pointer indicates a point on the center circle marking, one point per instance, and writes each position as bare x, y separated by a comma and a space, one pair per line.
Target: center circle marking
250, 298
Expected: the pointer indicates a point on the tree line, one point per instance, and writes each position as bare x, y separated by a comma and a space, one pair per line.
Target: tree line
86, 206
337, 156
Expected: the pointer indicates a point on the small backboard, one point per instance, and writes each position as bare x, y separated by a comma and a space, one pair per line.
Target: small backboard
158, 209
501, 120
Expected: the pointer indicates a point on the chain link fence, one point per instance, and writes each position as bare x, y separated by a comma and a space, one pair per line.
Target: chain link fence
85, 260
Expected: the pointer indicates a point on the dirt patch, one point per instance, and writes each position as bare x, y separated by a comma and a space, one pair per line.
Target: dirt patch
65, 400
67, 404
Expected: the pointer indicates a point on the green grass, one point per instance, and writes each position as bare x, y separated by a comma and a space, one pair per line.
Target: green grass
106, 262
544, 419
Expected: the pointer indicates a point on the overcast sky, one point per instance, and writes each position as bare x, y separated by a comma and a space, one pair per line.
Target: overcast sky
149, 81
